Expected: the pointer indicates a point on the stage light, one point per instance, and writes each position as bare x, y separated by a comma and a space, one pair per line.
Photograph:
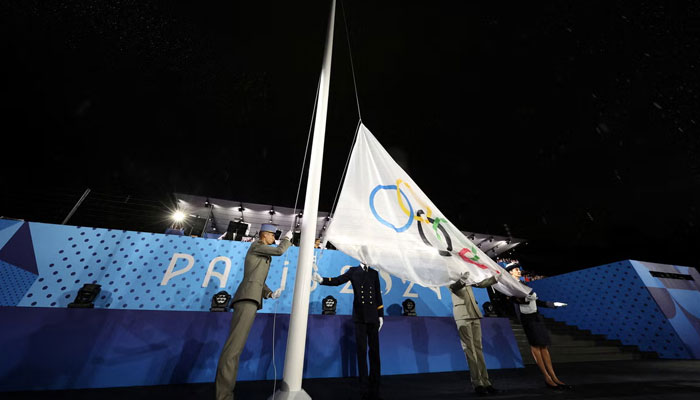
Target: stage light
489, 310
471, 237
207, 203
328, 304
301, 215
86, 295
178, 216
490, 238
272, 211
220, 302
409, 307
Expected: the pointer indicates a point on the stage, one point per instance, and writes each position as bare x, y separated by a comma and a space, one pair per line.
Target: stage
648, 379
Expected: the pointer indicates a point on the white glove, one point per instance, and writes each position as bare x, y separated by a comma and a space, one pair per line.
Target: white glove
276, 294
316, 277
558, 304
464, 276
530, 297
381, 322
289, 235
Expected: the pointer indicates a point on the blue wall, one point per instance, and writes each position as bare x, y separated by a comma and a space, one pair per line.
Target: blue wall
623, 301
131, 267
60, 348
149, 327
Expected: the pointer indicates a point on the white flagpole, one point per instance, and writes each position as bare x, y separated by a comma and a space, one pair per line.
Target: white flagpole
296, 340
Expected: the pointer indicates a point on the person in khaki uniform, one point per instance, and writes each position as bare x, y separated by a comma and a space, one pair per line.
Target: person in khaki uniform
467, 317
246, 303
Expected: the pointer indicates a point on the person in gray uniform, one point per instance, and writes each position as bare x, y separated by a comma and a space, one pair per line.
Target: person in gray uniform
246, 303
467, 317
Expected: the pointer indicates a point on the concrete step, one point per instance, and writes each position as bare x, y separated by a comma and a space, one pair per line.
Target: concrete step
570, 344
567, 358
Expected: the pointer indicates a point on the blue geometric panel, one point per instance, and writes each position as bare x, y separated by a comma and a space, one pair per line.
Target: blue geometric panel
678, 299
612, 300
15, 283
61, 348
153, 271
19, 250
7, 230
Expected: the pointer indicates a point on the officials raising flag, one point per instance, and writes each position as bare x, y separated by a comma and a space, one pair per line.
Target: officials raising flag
385, 220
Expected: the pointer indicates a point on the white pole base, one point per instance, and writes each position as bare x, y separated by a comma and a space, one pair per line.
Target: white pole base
280, 395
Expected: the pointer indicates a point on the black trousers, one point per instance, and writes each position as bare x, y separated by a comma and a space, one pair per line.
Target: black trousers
368, 334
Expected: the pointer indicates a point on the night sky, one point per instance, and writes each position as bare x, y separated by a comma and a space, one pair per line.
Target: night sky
571, 124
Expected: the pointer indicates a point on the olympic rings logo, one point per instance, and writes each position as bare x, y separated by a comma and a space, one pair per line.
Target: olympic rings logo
423, 217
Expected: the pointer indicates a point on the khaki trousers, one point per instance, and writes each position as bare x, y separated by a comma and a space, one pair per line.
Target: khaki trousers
243, 316
470, 336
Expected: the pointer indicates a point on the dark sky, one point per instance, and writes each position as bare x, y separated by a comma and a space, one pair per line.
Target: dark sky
570, 124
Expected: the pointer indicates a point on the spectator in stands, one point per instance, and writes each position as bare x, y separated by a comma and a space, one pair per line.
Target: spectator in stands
537, 334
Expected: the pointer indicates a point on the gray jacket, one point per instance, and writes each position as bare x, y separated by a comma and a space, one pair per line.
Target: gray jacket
257, 265
464, 305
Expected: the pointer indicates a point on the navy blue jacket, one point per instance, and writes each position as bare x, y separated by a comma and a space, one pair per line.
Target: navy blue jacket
367, 305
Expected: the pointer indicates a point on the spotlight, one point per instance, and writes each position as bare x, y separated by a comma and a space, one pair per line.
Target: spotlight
409, 307
490, 238
272, 211
300, 215
207, 203
178, 216
328, 304
489, 310
220, 301
471, 237
86, 295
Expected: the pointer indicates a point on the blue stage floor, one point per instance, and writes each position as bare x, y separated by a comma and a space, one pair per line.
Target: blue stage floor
646, 379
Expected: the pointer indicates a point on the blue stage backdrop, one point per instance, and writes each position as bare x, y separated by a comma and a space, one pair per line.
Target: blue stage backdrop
151, 324
61, 348
44, 265
653, 306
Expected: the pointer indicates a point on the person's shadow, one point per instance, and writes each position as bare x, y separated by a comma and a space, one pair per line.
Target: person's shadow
348, 348
498, 346
193, 352
394, 310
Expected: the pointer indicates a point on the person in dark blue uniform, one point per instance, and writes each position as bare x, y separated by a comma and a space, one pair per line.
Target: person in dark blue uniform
368, 315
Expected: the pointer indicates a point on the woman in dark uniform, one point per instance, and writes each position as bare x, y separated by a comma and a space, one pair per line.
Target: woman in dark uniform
537, 333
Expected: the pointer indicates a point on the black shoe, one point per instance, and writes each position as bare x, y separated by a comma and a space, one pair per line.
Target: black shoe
555, 387
492, 390
481, 391
565, 386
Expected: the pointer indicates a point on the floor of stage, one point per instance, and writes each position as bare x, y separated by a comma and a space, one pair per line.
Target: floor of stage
645, 379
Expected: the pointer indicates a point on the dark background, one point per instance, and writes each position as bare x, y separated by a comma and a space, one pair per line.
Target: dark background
570, 124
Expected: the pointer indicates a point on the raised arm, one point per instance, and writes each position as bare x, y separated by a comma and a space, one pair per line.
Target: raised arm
263, 250
338, 280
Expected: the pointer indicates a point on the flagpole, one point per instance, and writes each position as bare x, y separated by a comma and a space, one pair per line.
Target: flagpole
296, 340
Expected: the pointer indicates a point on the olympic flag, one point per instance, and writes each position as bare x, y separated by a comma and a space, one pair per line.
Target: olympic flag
385, 220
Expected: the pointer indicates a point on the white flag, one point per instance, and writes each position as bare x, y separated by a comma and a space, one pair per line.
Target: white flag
385, 220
